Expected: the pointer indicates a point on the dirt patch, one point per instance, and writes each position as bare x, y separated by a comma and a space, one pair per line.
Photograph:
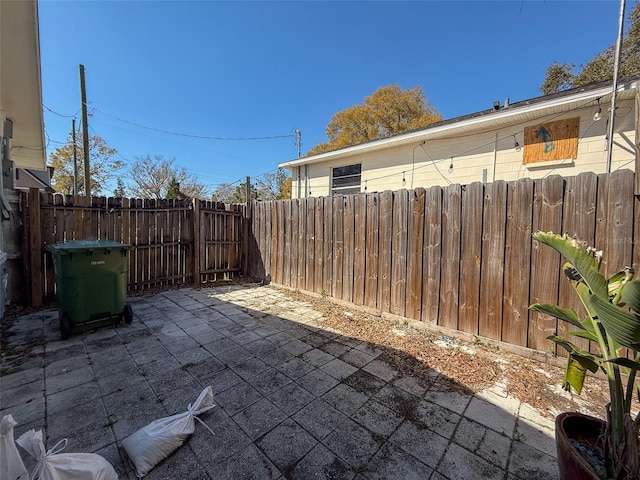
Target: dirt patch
463, 367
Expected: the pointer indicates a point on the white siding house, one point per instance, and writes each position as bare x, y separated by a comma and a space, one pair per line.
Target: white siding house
554, 134
22, 145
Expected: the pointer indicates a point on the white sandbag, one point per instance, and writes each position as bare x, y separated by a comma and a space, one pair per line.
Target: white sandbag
153, 443
11, 465
53, 465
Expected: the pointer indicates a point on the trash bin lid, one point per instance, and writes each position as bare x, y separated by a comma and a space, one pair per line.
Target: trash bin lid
82, 245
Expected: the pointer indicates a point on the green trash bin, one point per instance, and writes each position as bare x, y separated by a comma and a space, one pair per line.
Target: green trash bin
91, 284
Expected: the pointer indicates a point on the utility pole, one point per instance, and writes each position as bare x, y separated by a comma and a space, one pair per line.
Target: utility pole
299, 140
85, 139
616, 66
75, 158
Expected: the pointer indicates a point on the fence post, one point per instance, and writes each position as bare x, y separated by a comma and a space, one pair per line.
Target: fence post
35, 249
246, 220
196, 242
246, 228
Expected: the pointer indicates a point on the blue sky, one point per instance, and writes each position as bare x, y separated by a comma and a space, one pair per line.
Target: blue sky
262, 69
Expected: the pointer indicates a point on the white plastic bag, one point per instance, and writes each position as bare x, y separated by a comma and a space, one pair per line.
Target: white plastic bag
153, 443
53, 465
11, 465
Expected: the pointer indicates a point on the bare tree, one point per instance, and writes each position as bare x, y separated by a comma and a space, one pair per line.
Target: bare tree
153, 177
272, 186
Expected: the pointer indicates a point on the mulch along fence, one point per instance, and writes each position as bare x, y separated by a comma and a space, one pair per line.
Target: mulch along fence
460, 256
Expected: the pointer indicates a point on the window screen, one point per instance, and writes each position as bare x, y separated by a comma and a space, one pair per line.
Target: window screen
346, 180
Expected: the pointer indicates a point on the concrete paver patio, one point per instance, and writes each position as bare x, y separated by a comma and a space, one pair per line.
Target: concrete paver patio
293, 400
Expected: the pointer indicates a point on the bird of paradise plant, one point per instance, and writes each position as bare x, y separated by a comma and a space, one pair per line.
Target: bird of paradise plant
613, 322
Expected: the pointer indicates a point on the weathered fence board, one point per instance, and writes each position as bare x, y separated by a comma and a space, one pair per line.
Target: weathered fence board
327, 247
359, 245
492, 261
371, 250
288, 239
384, 266
267, 239
517, 254
579, 222
338, 246
432, 253
319, 244
293, 242
302, 243
399, 245
619, 231
415, 231
545, 262
470, 256
274, 242
450, 274
348, 251
311, 246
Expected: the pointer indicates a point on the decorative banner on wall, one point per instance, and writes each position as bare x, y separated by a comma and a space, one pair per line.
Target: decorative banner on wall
550, 141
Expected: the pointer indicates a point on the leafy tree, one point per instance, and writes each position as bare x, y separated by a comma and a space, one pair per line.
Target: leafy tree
562, 76
285, 190
271, 186
120, 190
174, 191
558, 77
103, 165
388, 111
152, 177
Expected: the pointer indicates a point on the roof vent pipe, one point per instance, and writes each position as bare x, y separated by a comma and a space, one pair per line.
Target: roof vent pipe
506, 102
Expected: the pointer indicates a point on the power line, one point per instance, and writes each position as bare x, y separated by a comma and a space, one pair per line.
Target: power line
188, 135
60, 114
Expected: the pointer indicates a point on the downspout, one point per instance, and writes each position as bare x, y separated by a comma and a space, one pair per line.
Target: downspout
616, 65
306, 181
6, 133
495, 157
299, 184
637, 142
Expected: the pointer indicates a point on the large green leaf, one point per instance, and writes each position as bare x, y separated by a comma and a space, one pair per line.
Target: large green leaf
616, 282
589, 360
631, 295
585, 295
589, 327
585, 264
583, 334
620, 325
574, 375
578, 363
626, 362
566, 314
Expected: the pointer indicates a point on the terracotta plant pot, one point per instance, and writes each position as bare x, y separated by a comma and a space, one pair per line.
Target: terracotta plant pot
573, 425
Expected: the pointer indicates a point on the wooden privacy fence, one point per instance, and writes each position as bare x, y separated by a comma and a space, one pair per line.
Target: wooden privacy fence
461, 257
165, 249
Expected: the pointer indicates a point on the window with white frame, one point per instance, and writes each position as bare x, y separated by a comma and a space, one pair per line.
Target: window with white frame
346, 180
